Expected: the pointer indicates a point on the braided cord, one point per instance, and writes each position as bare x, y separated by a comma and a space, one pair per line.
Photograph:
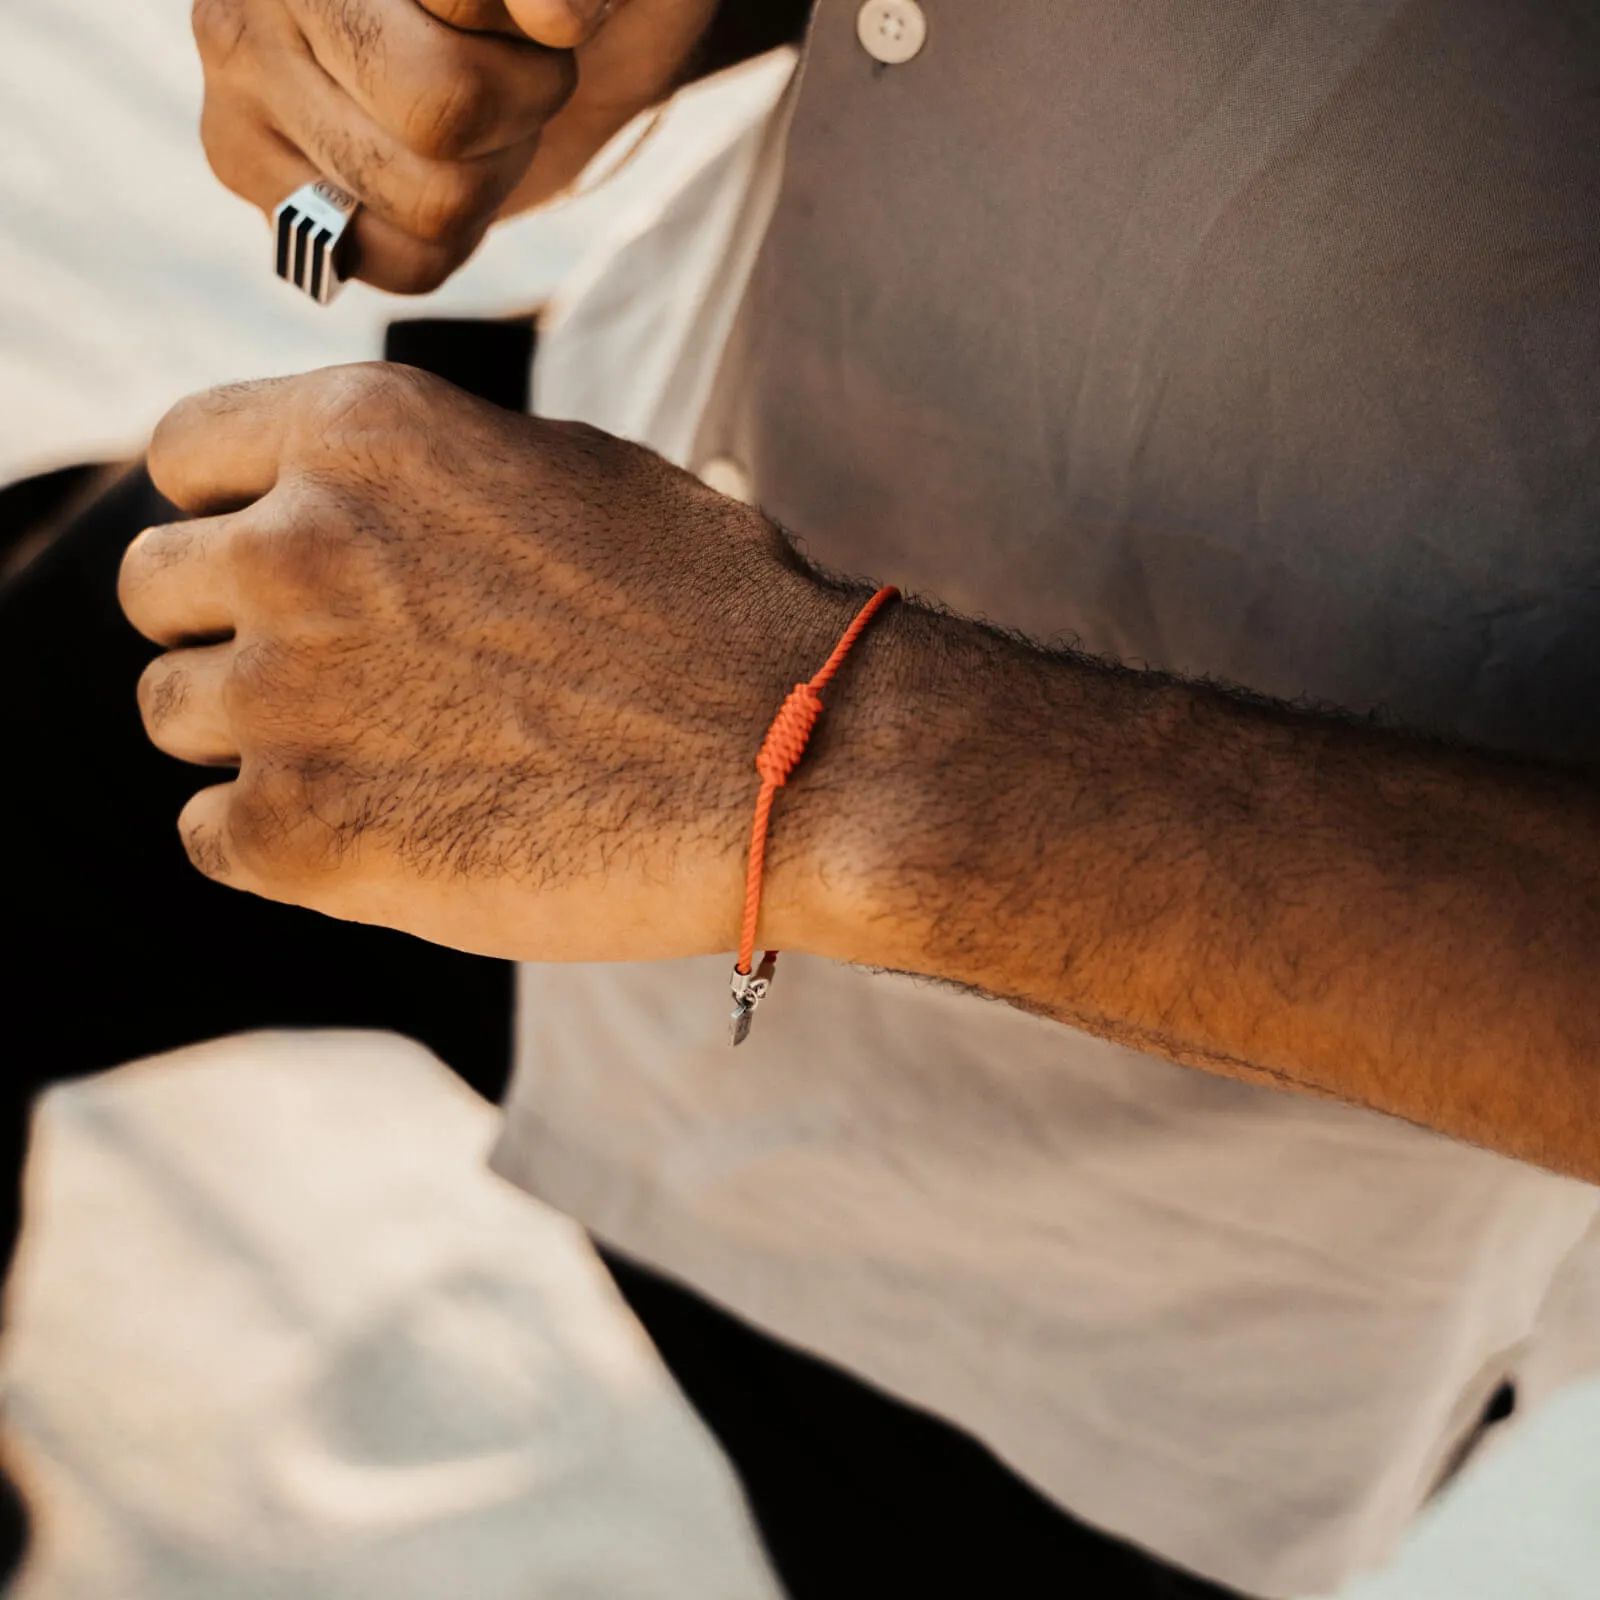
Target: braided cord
779, 755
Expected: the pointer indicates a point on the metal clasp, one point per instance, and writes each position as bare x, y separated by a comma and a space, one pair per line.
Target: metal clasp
749, 989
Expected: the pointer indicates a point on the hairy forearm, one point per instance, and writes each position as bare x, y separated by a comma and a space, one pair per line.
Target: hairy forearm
1270, 894
531, 734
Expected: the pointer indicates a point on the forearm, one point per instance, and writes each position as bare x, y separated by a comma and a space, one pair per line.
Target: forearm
1267, 894
531, 734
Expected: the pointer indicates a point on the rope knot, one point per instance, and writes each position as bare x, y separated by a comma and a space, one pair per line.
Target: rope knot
786, 739
780, 751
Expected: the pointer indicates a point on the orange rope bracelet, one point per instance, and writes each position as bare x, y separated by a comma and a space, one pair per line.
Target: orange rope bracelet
780, 753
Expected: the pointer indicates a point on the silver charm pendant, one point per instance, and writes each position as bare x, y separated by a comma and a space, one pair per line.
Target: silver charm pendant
308, 229
749, 989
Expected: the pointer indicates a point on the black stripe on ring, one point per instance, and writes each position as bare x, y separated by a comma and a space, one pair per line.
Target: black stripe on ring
286, 221
321, 264
301, 235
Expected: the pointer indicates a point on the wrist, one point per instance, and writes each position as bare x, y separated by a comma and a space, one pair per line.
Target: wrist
865, 794
782, 623
945, 780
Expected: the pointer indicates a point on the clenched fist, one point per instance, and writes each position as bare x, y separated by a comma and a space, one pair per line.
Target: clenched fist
495, 681
439, 115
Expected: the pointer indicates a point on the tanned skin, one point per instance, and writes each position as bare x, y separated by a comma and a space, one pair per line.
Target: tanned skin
500, 682
438, 115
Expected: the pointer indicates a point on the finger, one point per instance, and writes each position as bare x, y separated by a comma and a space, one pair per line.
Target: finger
258, 163
223, 448
445, 208
240, 834
558, 24
474, 16
439, 91
428, 199
176, 585
205, 826
563, 24
183, 703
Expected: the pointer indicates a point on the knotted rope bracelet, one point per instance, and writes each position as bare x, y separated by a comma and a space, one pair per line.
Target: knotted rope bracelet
778, 756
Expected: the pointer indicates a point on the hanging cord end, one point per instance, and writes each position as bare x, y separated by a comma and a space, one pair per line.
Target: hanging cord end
749, 989
780, 753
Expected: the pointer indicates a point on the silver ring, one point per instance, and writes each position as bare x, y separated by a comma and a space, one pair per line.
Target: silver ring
309, 228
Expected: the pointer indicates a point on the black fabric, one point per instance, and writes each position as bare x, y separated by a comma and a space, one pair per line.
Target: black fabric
33, 508
857, 1494
742, 29
493, 360
24, 503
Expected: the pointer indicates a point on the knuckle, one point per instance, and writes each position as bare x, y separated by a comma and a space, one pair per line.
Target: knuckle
252, 550
362, 415
206, 849
268, 695
447, 116
311, 556
221, 30
338, 388
368, 383
252, 680
163, 692
276, 695
445, 206
357, 24
299, 563
284, 824
262, 823
360, 163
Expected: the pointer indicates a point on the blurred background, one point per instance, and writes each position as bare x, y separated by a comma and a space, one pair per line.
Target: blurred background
213, 1328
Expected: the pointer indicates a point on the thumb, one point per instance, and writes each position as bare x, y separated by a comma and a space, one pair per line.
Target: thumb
559, 24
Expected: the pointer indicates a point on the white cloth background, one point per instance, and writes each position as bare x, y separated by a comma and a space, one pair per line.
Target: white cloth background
276, 1331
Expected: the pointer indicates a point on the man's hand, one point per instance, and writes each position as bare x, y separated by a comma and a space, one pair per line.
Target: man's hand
500, 682
495, 681
438, 115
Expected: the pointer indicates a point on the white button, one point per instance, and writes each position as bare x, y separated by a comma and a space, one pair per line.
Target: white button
726, 476
891, 31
